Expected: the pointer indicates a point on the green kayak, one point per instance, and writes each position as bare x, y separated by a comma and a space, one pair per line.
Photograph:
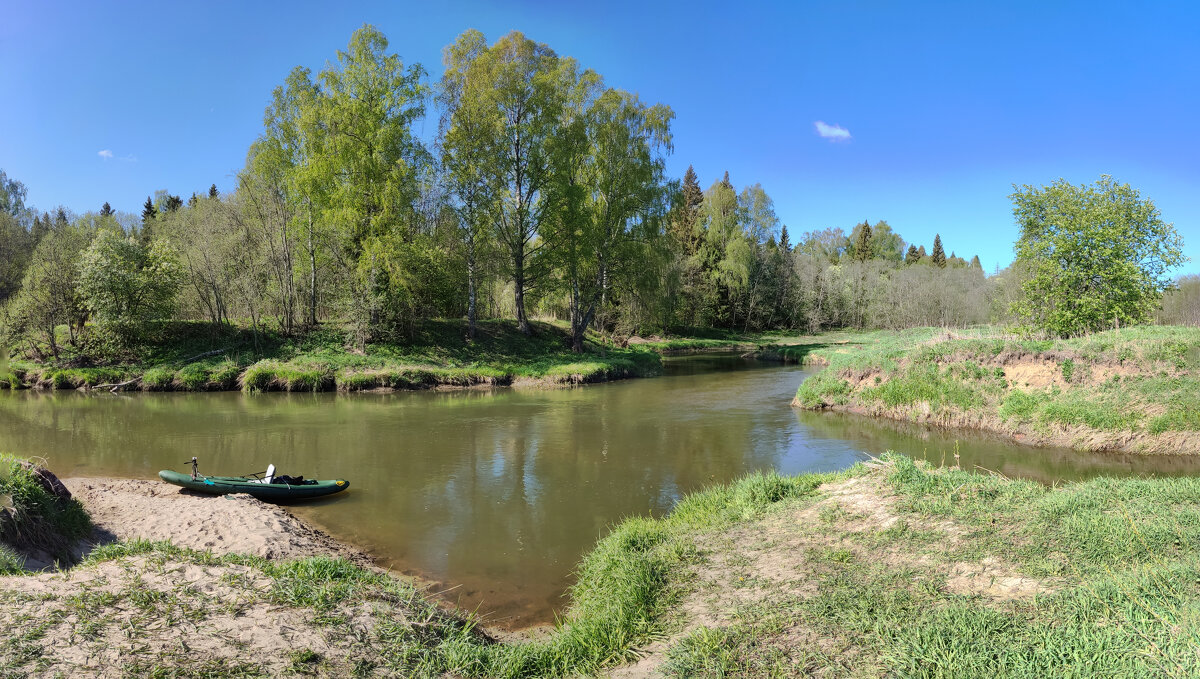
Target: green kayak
277, 489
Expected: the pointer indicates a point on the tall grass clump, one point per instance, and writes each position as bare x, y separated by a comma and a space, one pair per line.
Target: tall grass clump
34, 519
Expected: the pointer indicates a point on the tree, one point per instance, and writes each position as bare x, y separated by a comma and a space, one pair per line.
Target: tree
516, 90
939, 255
106, 210
212, 191
912, 256
785, 243
1099, 255
860, 245
127, 285
975, 264
149, 212
172, 203
49, 294
468, 144
607, 192
12, 195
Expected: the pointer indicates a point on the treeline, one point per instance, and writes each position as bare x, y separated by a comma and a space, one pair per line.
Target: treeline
544, 193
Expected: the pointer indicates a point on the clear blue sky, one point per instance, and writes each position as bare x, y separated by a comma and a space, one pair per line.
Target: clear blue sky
946, 104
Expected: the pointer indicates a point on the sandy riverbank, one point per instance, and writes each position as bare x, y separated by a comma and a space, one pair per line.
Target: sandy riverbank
129, 509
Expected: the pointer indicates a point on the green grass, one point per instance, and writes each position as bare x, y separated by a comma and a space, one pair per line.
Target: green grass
1110, 383
31, 518
1117, 561
435, 353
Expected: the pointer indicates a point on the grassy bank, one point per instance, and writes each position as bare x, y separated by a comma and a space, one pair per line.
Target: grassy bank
889, 569
1135, 390
904, 571
196, 357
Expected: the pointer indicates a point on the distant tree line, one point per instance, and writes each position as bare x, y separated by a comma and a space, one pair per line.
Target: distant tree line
544, 194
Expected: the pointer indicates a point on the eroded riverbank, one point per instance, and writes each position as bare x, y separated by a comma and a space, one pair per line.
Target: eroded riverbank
1135, 391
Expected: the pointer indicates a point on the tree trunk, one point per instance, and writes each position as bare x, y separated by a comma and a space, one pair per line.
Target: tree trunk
470, 287
312, 273
519, 291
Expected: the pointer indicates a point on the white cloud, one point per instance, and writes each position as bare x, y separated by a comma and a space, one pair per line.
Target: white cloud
105, 154
832, 132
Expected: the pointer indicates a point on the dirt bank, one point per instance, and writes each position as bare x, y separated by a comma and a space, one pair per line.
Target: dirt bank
1137, 391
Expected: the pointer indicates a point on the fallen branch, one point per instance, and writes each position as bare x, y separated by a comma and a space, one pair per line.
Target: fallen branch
114, 388
206, 354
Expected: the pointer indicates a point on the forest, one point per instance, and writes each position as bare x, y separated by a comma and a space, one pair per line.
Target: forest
543, 194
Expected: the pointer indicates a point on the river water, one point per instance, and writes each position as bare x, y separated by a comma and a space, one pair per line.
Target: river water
492, 496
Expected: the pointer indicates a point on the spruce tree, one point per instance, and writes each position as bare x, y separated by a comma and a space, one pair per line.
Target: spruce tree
939, 255
106, 210
922, 253
862, 246
173, 203
975, 263
148, 212
687, 212
785, 243
725, 181
212, 191
912, 256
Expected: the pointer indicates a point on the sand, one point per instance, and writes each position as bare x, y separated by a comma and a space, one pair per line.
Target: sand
159, 614
127, 509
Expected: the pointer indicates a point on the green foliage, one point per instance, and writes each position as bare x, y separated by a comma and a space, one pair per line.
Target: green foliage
126, 284
1098, 255
1068, 370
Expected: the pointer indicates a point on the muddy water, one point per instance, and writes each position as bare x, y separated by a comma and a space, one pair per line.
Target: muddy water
494, 495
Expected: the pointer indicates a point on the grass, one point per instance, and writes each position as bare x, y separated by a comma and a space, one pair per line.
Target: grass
1115, 389
33, 519
1115, 563
434, 353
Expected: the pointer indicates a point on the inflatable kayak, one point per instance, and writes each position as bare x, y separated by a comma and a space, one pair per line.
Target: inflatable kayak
264, 487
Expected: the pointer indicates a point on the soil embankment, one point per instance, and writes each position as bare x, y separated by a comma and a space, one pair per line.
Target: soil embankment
1135, 391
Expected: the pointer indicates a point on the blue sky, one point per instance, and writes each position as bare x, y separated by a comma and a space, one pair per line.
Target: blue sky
946, 104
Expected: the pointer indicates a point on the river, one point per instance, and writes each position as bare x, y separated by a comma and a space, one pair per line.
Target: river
493, 495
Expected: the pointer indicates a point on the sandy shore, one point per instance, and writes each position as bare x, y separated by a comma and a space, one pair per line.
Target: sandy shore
179, 616
127, 509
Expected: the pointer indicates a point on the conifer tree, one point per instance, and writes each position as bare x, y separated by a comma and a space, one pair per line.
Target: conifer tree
939, 255
683, 223
921, 251
106, 210
173, 203
912, 256
785, 243
862, 246
149, 212
725, 181
975, 263
193, 200
212, 191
